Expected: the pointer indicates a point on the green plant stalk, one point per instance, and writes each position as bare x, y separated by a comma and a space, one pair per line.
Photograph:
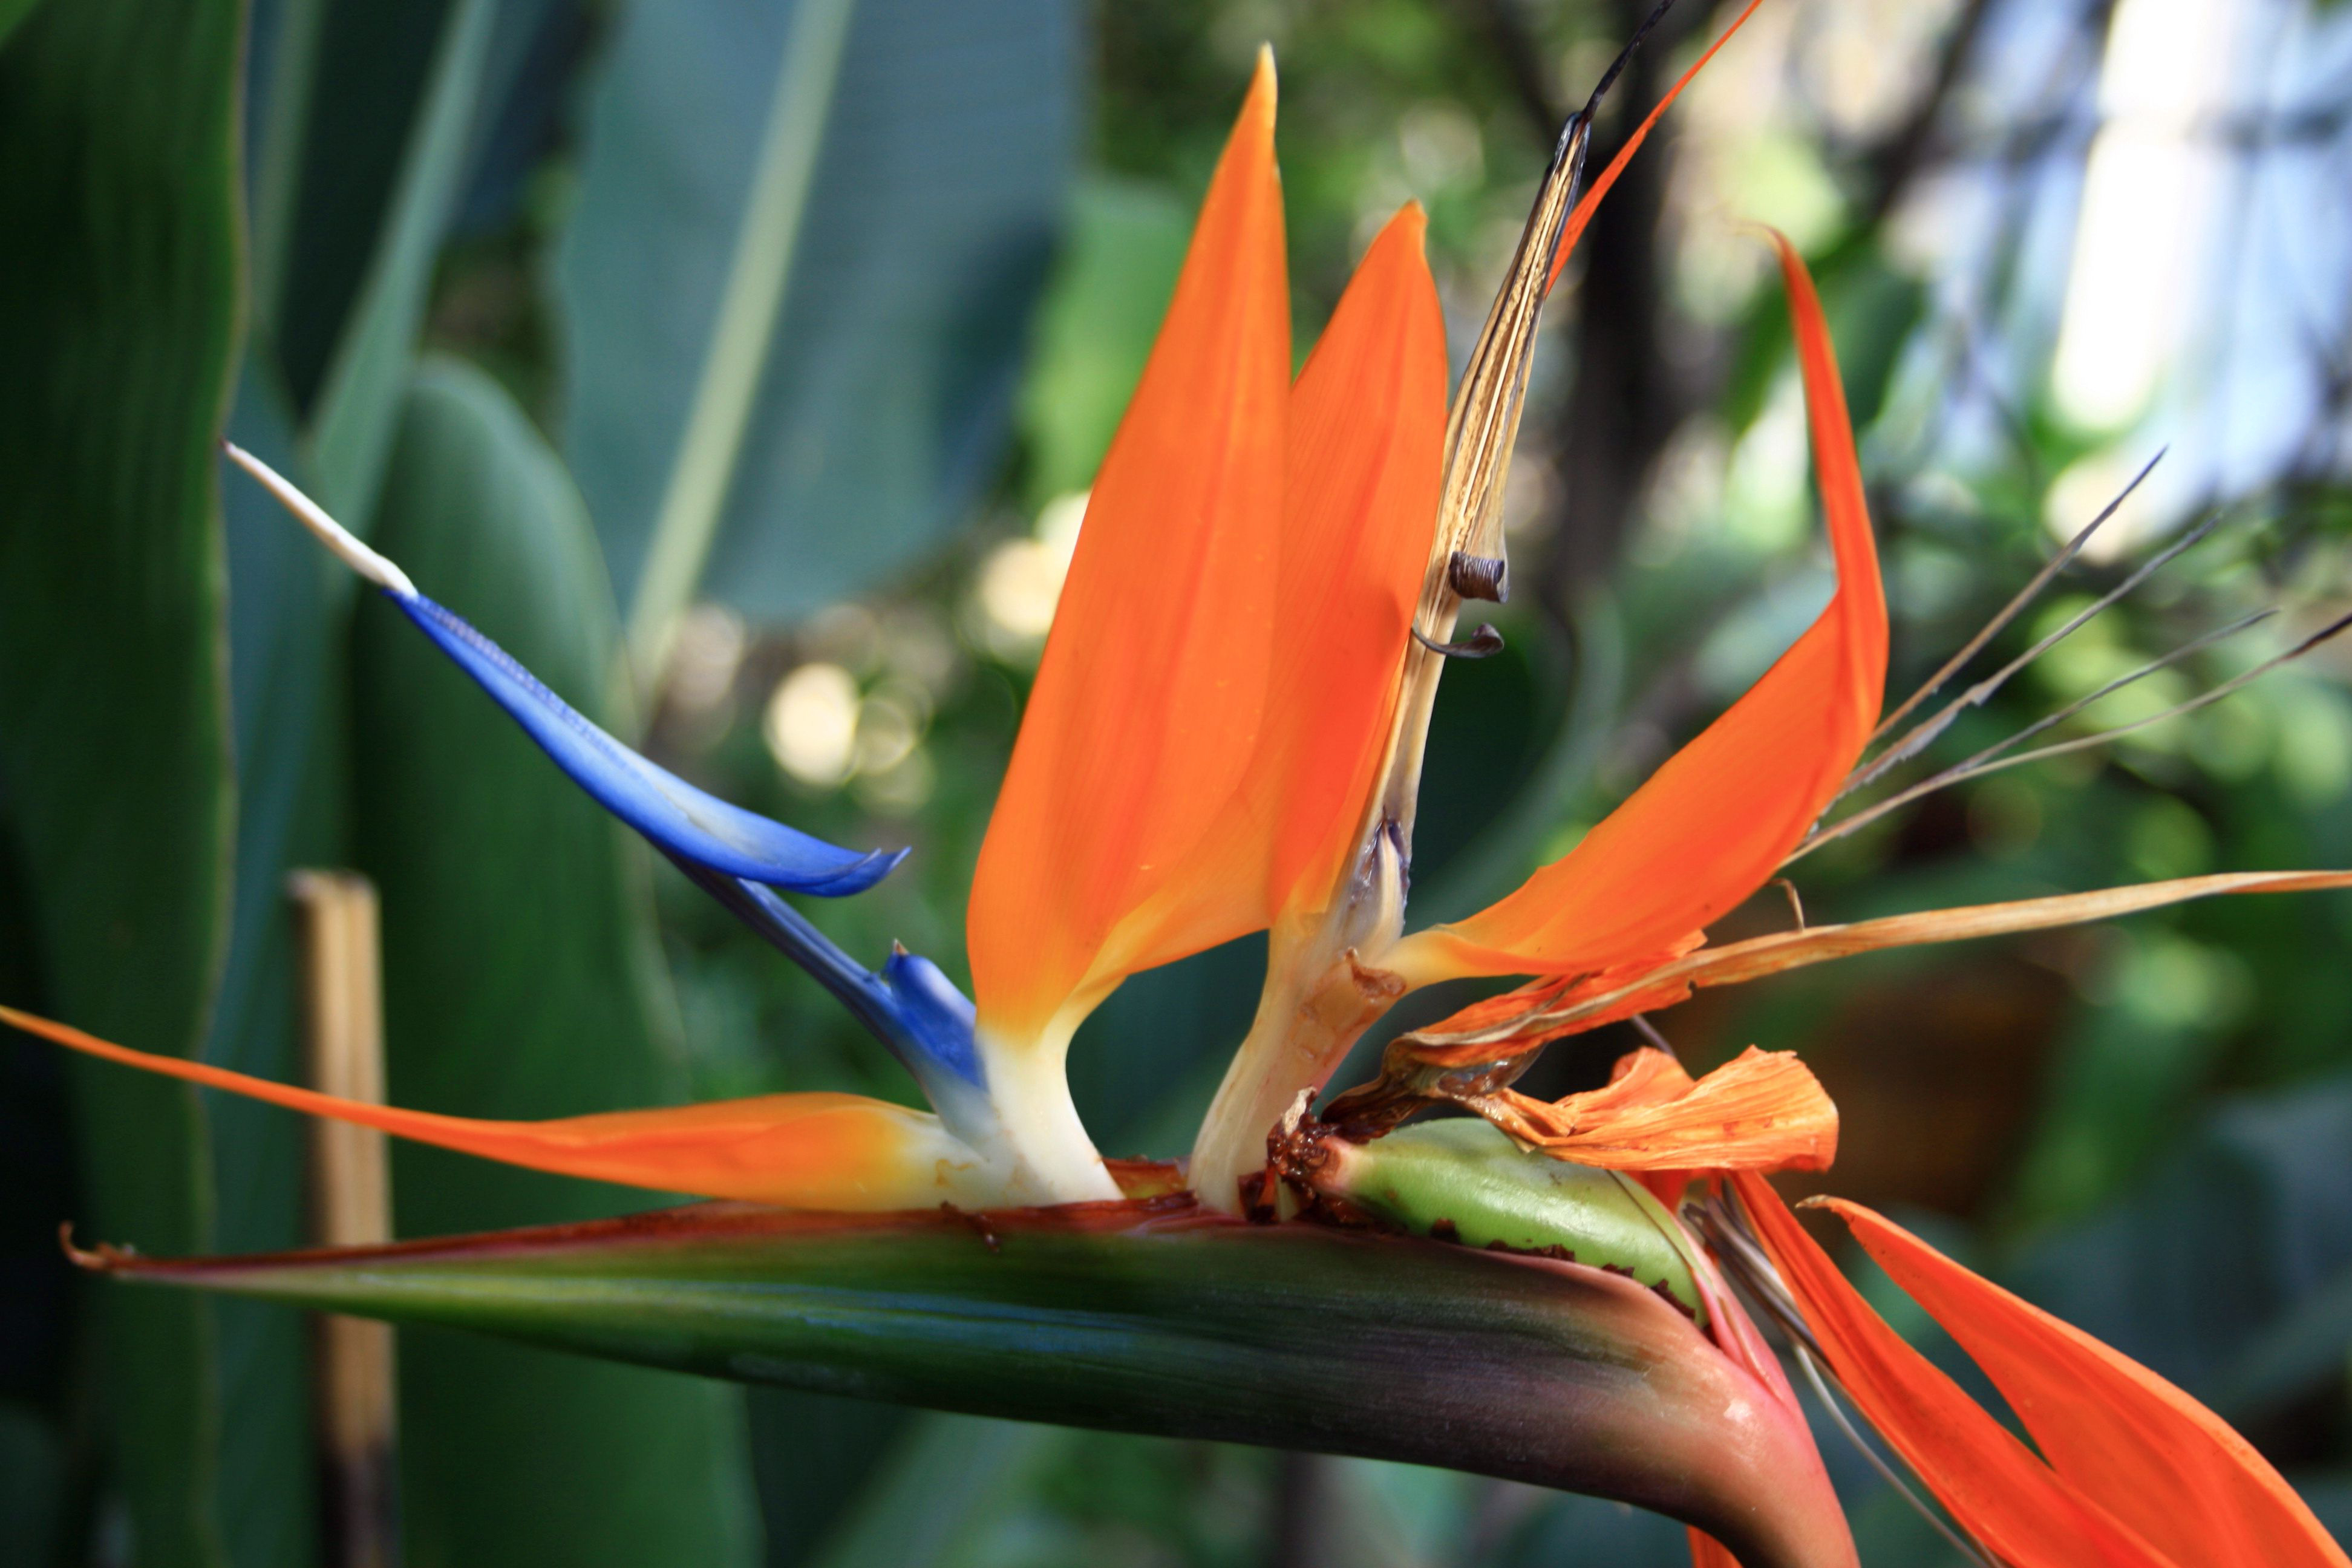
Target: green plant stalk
1148, 1316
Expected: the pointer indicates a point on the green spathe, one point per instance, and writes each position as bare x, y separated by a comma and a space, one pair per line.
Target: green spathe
1466, 1181
1144, 1315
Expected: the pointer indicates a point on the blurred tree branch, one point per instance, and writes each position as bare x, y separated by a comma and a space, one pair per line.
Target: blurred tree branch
1520, 55
1623, 405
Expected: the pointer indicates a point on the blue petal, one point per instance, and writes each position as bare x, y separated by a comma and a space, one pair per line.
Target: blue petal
910, 1006
935, 1016
678, 817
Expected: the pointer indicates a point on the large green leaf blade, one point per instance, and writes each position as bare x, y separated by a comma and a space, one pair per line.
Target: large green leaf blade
353, 421
521, 979
339, 92
12, 11
337, 95
883, 366
118, 319
1147, 1317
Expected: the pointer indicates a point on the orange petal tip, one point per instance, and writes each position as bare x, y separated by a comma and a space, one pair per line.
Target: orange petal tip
794, 1150
2122, 1437
1103, 855
1715, 819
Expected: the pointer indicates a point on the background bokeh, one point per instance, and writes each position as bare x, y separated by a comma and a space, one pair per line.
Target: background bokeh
741, 366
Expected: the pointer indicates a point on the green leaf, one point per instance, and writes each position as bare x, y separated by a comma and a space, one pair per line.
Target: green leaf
1144, 1317
1579, 696
796, 286
282, 55
12, 11
521, 979
334, 100
1873, 309
338, 97
118, 314
1146, 1064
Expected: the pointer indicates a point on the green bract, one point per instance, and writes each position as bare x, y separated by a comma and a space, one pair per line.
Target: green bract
1466, 1181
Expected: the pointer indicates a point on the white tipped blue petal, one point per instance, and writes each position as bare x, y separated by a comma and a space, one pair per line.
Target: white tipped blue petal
348, 547
666, 810
680, 819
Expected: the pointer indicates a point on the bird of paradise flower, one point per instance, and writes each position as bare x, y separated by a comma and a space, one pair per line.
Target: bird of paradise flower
1225, 735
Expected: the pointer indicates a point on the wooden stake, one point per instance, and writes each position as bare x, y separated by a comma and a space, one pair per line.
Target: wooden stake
342, 1027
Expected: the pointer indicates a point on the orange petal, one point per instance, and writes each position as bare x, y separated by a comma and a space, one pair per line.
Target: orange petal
1578, 218
1366, 442
2150, 1455
1147, 701
1994, 1486
1712, 824
1762, 1110
797, 1151
1367, 457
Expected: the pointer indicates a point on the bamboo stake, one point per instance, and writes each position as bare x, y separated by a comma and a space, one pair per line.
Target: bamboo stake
356, 1395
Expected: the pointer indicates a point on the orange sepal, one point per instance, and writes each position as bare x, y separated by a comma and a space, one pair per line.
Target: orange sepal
2151, 1456
1366, 462
1993, 1485
1581, 213
1762, 1110
1150, 695
1712, 824
795, 1151
1513, 1016
1546, 1009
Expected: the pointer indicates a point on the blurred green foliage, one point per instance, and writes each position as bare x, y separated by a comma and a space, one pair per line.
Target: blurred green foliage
794, 284
114, 696
197, 704
2143, 1126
